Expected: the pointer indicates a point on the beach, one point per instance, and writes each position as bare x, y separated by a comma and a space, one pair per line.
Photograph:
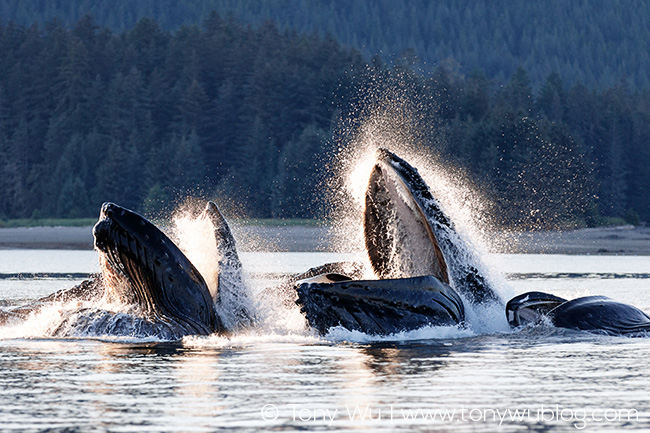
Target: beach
620, 240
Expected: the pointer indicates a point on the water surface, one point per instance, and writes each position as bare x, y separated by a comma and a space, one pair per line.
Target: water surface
432, 379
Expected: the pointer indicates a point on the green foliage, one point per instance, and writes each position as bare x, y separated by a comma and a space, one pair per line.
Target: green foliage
613, 221
142, 117
48, 222
88, 116
495, 36
631, 217
156, 200
279, 222
562, 158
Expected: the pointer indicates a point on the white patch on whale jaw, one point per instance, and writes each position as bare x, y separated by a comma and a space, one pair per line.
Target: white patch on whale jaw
405, 190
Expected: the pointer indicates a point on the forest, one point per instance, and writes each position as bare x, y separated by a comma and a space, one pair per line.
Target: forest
146, 115
594, 42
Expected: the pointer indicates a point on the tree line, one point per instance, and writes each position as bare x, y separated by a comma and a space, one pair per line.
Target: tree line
143, 116
564, 155
595, 42
87, 115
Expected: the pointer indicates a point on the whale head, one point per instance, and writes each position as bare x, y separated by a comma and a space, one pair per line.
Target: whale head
408, 234
400, 238
148, 271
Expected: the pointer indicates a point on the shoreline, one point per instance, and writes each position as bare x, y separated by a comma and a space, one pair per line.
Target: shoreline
615, 240
622, 240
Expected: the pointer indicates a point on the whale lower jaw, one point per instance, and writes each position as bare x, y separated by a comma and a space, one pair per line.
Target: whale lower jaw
408, 234
380, 307
399, 238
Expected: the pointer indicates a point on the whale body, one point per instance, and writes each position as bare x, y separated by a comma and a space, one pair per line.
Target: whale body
147, 286
425, 273
598, 314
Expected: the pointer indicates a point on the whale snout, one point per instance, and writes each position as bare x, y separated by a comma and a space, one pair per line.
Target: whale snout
107, 210
101, 233
103, 227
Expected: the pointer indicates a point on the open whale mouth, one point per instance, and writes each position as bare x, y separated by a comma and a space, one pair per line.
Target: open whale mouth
400, 239
156, 276
408, 234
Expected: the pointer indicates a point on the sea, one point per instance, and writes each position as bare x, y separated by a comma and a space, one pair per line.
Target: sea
284, 377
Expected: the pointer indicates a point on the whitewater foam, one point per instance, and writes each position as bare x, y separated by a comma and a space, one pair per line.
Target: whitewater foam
339, 334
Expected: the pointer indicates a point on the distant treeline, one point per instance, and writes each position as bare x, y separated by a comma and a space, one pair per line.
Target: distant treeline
595, 42
87, 115
560, 156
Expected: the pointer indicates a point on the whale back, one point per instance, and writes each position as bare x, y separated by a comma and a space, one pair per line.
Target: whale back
601, 314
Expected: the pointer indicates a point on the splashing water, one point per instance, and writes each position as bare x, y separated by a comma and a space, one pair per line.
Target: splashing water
195, 238
208, 243
391, 124
340, 334
396, 125
39, 323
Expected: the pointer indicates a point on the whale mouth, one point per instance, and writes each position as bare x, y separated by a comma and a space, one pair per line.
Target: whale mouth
144, 268
379, 307
400, 240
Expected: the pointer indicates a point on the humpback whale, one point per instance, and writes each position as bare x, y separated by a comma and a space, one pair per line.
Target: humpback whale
147, 287
425, 273
379, 307
598, 314
408, 234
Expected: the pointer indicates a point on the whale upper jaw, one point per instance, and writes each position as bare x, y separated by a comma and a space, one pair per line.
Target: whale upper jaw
154, 275
408, 234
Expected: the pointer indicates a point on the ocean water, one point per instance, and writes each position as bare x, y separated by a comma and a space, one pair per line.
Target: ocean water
284, 378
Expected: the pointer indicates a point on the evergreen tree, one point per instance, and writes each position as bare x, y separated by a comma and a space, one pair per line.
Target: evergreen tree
550, 101
87, 115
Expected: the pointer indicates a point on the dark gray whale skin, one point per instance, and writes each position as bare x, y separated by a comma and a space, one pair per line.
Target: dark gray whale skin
379, 307
414, 252
164, 287
597, 314
142, 269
